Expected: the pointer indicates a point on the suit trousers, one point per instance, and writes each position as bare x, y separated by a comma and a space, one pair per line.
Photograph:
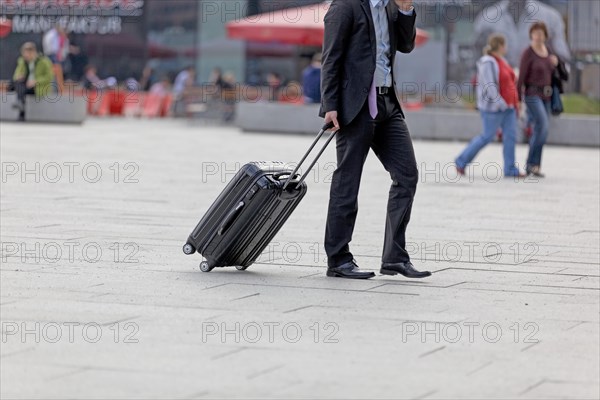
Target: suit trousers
390, 140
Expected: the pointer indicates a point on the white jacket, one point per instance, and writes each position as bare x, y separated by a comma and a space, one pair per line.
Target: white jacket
51, 44
488, 87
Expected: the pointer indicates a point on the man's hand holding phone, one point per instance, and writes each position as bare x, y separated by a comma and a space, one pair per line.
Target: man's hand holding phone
404, 5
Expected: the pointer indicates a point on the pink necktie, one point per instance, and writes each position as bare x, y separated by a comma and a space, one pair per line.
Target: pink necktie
373, 100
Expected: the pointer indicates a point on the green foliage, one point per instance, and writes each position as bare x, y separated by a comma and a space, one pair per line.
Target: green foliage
580, 104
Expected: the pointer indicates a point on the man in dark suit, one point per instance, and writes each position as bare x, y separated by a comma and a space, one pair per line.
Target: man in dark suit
358, 95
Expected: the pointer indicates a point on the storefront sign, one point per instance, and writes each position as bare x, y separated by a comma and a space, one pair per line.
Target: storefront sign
78, 16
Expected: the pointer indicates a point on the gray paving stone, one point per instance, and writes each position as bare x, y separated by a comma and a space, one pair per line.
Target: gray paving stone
512, 310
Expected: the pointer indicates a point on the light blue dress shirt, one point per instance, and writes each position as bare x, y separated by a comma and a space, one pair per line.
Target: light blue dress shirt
383, 69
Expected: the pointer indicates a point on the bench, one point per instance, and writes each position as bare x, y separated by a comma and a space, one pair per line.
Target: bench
427, 123
62, 109
57, 109
7, 112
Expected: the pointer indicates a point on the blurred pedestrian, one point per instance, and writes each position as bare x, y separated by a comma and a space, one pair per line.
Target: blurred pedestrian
147, 79
218, 82
216, 78
228, 81
56, 47
274, 83
291, 93
33, 75
56, 44
514, 18
497, 101
162, 88
228, 89
91, 80
77, 60
535, 87
311, 80
184, 80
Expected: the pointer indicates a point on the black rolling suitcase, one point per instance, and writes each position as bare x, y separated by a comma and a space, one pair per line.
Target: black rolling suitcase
249, 212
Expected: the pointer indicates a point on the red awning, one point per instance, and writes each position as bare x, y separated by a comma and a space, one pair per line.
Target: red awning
298, 25
5, 27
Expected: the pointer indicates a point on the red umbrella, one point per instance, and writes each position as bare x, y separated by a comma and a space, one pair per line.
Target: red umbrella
297, 25
5, 27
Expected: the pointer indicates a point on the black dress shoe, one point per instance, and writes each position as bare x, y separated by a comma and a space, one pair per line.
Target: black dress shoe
349, 271
406, 269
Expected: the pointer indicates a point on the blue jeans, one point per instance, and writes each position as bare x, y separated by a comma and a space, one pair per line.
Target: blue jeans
539, 111
507, 120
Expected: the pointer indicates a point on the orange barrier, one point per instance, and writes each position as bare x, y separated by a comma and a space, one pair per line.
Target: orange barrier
167, 106
103, 108
93, 99
117, 101
133, 104
412, 105
152, 106
127, 103
155, 105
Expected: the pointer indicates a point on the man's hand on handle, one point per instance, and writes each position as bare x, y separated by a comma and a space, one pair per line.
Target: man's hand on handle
404, 5
331, 116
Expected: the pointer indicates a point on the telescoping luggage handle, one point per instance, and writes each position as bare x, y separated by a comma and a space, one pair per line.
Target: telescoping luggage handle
325, 128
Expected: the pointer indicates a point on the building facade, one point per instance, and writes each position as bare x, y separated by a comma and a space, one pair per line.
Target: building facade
121, 37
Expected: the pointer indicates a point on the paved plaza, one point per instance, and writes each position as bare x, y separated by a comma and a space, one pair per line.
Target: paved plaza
99, 301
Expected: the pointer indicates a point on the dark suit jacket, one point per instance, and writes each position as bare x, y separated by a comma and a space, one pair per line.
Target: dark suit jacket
349, 51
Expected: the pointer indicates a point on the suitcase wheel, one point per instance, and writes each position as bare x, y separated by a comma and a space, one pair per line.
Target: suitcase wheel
205, 267
188, 249
241, 268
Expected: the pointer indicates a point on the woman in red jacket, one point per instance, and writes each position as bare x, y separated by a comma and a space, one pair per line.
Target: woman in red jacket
497, 101
535, 83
